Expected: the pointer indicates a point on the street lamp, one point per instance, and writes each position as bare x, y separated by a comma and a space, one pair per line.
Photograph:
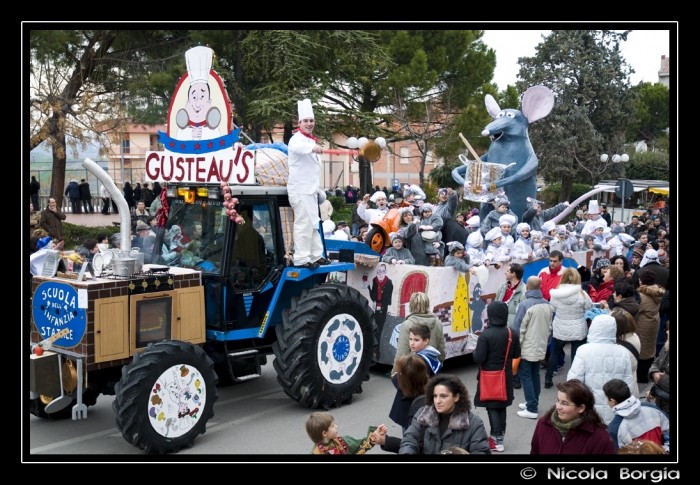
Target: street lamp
622, 190
624, 158
368, 152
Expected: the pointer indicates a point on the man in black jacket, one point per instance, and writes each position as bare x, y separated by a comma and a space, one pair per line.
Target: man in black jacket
34, 192
147, 195
634, 227
85, 196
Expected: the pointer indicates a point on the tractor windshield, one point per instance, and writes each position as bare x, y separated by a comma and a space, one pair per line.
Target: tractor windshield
193, 235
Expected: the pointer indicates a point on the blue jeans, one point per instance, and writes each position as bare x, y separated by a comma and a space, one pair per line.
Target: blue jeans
530, 379
660, 338
557, 352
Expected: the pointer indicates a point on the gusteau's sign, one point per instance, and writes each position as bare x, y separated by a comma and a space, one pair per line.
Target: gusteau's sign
199, 146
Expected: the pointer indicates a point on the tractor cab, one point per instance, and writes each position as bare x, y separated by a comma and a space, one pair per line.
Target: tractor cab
239, 262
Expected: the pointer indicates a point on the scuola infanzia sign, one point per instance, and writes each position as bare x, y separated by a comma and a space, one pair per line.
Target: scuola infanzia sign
55, 307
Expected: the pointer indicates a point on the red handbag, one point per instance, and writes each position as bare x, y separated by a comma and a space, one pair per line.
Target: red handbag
492, 383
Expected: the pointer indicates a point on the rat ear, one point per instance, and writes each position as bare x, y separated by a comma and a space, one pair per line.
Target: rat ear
537, 103
491, 106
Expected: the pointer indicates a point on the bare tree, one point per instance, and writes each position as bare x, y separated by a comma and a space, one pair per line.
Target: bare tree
427, 122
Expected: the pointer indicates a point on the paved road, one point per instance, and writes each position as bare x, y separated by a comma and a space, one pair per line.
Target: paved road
92, 220
256, 417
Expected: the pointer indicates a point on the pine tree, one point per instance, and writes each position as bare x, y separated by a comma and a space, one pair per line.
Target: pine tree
593, 101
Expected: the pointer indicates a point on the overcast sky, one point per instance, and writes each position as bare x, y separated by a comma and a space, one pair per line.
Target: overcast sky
642, 50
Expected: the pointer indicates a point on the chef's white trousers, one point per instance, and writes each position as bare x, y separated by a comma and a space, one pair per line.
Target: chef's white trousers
307, 240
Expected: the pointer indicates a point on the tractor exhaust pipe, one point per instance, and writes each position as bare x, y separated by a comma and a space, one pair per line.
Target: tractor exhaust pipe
116, 194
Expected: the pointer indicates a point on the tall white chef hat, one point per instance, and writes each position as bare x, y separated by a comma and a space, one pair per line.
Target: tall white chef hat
199, 61
305, 109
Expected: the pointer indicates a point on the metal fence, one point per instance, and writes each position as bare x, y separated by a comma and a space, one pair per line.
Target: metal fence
75, 171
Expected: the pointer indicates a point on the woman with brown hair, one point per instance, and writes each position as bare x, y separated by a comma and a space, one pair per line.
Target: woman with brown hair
628, 338
412, 238
34, 219
572, 426
622, 262
605, 288
446, 420
642, 447
651, 230
410, 380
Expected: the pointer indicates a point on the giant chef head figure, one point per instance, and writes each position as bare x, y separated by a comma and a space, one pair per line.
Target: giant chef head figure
198, 120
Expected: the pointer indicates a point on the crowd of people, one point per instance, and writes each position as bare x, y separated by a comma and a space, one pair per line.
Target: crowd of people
595, 412
499, 236
613, 313
46, 230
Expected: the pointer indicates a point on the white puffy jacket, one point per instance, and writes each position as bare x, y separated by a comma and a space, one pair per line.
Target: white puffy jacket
616, 247
570, 303
601, 360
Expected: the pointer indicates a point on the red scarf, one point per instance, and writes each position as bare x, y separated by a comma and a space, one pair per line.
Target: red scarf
307, 136
380, 285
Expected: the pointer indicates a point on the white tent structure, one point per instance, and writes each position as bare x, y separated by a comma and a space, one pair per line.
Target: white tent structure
647, 187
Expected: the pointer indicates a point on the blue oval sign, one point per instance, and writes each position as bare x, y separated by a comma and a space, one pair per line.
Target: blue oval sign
55, 307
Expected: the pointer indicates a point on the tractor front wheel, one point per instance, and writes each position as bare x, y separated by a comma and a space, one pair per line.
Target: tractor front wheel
166, 396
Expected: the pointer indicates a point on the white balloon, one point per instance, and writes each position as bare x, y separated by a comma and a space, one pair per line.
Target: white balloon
352, 142
380, 141
362, 142
604, 158
616, 158
625, 158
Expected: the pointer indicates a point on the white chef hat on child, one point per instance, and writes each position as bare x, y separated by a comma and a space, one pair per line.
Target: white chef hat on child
473, 221
328, 226
475, 239
548, 226
523, 225
494, 233
506, 219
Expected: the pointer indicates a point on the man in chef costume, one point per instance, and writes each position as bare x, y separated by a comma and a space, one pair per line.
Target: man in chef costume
199, 120
373, 215
303, 190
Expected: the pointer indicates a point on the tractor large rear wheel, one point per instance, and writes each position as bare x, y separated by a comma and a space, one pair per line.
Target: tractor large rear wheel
166, 396
325, 345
